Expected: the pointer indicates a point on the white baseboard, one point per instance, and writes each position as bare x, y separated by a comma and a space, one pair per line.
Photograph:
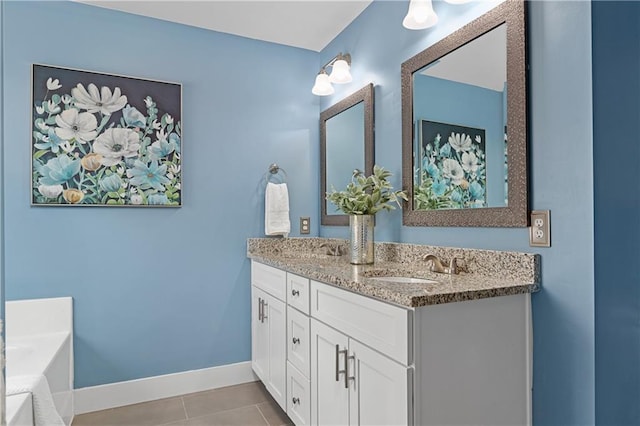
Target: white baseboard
113, 395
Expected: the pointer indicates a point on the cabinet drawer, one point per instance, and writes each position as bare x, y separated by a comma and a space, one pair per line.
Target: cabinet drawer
382, 326
269, 279
298, 292
298, 340
299, 401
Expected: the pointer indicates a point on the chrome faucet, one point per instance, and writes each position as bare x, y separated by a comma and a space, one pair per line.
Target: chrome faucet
336, 250
437, 266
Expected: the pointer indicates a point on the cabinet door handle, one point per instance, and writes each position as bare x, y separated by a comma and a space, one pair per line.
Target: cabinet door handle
295, 292
296, 340
260, 309
295, 400
264, 305
348, 357
338, 371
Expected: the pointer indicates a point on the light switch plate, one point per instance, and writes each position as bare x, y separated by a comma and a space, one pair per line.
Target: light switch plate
540, 229
305, 225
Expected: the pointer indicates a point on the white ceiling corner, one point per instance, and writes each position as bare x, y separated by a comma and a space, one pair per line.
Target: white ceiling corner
307, 24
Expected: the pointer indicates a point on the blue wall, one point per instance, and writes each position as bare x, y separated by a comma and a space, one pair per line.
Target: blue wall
159, 290
561, 156
616, 124
470, 106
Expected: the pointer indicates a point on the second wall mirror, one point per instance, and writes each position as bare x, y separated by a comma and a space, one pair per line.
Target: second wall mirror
346, 144
464, 125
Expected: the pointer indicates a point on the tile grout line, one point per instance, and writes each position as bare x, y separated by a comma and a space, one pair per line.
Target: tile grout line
226, 411
262, 414
184, 407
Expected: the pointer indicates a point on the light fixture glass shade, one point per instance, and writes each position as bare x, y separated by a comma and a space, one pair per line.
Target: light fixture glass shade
323, 86
340, 72
420, 15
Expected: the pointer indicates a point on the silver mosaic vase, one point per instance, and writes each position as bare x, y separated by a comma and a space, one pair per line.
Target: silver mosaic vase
361, 227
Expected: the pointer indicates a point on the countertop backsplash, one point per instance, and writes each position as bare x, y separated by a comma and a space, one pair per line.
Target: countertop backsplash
484, 273
489, 263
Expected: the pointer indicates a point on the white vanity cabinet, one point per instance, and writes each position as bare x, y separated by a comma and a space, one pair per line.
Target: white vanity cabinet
280, 338
342, 358
268, 329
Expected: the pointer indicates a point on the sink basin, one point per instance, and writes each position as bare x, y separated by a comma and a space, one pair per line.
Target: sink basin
410, 280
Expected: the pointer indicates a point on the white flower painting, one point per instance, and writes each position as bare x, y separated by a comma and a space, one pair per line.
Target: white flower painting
101, 139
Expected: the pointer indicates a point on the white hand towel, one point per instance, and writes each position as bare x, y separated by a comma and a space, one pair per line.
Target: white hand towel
44, 410
276, 209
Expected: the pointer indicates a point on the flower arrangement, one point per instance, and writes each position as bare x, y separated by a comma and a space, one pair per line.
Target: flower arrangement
452, 175
92, 146
367, 195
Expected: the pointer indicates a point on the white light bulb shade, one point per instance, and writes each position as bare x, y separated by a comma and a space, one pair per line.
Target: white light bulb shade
457, 1
420, 15
340, 72
323, 86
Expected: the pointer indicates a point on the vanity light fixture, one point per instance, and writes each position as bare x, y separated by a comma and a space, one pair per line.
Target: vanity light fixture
340, 74
420, 15
323, 85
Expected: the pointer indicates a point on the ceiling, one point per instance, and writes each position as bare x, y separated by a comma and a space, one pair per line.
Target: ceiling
308, 24
482, 62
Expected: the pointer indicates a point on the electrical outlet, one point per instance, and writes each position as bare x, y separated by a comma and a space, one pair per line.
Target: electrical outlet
305, 225
540, 230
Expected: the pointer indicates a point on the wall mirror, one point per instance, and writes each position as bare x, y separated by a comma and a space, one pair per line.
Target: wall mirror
346, 143
464, 125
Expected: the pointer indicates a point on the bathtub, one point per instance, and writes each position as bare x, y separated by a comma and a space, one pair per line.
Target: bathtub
39, 341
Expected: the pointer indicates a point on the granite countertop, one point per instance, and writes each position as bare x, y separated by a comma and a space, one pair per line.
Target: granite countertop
520, 271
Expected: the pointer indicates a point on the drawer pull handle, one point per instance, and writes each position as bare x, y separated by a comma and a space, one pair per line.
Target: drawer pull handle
338, 371
295, 400
295, 292
348, 357
296, 340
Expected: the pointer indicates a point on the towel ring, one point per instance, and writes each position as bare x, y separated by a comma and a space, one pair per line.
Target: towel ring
274, 171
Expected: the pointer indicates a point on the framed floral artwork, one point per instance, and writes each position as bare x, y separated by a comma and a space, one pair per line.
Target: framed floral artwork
450, 167
104, 140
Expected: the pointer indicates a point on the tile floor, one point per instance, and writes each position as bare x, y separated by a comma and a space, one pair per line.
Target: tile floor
248, 404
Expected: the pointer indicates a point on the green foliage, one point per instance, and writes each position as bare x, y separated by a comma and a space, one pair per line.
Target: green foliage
367, 195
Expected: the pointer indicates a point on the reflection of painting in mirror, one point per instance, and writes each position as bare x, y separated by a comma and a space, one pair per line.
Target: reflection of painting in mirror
345, 142
450, 167
467, 86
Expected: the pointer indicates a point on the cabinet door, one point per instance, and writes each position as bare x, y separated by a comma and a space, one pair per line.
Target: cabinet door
276, 317
299, 396
378, 388
329, 396
259, 335
298, 340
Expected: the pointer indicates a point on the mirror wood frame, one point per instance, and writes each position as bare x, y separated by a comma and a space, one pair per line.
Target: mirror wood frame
365, 95
515, 214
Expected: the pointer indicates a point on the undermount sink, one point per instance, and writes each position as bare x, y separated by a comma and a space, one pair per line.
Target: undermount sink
410, 280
